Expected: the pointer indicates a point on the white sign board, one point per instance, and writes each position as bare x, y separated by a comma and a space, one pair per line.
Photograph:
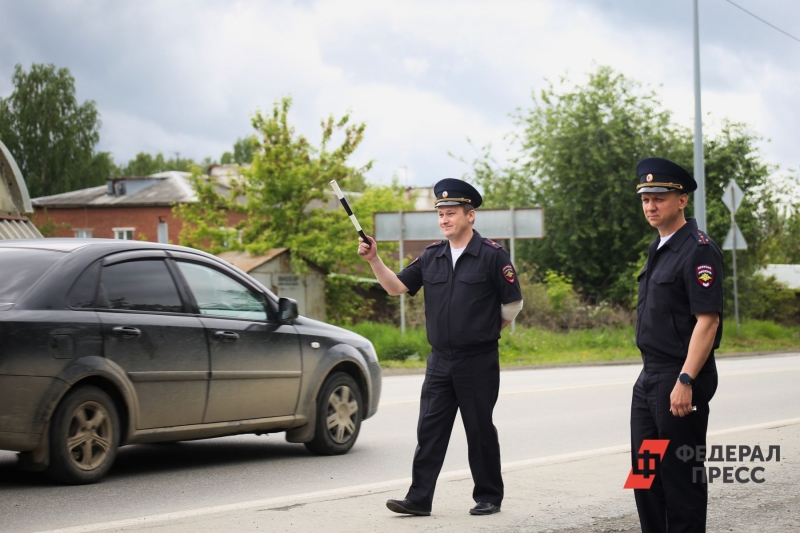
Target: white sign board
528, 223
733, 196
741, 244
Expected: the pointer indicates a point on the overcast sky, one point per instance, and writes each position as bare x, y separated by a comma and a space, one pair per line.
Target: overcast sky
186, 76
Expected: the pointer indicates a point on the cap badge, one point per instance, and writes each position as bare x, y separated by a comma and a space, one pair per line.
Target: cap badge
444, 194
649, 178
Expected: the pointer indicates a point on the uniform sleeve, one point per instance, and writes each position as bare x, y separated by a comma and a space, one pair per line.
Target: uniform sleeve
702, 277
411, 276
505, 278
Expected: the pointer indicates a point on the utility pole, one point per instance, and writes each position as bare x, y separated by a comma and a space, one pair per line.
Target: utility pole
699, 165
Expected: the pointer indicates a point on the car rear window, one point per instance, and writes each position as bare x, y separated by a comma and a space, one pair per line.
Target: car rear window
20, 268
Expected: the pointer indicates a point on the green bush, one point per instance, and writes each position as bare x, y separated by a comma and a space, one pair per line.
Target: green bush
390, 345
763, 298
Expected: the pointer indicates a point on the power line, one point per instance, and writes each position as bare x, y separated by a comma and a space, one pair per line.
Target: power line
764, 21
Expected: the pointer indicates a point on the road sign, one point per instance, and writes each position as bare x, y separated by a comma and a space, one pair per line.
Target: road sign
528, 223
741, 244
733, 196
511, 224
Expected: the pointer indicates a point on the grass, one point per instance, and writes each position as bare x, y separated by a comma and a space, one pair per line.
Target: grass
536, 346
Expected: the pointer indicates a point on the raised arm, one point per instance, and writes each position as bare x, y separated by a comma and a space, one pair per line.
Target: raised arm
385, 276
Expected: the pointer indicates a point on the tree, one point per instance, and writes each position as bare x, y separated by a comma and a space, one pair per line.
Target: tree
52, 136
282, 199
578, 149
580, 146
243, 150
145, 164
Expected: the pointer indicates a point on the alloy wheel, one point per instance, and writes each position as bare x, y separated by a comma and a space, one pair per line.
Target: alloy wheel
89, 437
342, 413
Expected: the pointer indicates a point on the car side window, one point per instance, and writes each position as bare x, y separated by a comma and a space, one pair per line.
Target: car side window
82, 293
218, 294
144, 285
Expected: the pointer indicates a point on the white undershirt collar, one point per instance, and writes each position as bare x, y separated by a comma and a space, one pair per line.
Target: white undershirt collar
665, 239
456, 253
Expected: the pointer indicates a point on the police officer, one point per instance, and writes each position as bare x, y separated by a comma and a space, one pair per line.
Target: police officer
471, 293
678, 327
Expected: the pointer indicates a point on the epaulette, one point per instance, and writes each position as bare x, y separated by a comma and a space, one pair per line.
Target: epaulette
437, 243
702, 238
490, 242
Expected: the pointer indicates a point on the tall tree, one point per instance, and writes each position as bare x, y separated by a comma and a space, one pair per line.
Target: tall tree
51, 135
580, 145
243, 150
282, 201
145, 164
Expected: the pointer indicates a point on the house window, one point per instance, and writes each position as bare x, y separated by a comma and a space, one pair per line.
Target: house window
163, 232
124, 233
83, 234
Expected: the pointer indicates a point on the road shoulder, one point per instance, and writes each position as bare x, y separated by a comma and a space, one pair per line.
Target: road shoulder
578, 493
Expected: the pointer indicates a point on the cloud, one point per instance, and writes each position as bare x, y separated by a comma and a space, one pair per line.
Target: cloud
187, 76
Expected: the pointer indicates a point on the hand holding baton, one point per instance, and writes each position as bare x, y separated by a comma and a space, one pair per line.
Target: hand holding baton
353, 218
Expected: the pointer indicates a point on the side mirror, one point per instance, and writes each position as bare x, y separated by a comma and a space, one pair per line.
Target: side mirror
287, 309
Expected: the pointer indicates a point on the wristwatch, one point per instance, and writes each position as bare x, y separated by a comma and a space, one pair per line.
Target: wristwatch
686, 379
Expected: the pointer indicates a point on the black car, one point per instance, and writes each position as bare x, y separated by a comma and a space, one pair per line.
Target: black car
110, 342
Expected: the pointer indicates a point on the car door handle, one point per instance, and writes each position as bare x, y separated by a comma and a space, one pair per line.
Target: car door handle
226, 336
126, 332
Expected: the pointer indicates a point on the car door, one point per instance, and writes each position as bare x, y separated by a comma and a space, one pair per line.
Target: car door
256, 362
151, 333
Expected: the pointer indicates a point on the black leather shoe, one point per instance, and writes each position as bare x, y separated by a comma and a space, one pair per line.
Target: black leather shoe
484, 508
407, 507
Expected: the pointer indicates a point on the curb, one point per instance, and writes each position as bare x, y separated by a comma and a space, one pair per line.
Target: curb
637, 361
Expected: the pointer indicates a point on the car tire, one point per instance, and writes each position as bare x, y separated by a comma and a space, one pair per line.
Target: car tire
339, 408
84, 437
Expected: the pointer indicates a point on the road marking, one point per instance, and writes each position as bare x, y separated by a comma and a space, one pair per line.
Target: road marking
594, 385
371, 487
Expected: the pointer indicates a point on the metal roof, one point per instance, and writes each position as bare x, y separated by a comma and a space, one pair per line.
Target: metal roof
14, 199
168, 188
788, 275
18, 228
246, 262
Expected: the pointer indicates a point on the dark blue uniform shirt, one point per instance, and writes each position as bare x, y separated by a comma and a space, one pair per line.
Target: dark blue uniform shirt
680, 280
462, 305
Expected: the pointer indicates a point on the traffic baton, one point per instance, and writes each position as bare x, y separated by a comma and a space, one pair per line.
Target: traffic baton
353, 218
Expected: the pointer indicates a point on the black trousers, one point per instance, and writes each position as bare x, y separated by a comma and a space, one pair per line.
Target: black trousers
469, 384
678, 498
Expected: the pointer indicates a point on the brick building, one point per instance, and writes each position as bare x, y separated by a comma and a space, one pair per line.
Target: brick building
131, 207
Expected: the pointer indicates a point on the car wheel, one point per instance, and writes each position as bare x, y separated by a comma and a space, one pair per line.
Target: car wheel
338, 416
84, 436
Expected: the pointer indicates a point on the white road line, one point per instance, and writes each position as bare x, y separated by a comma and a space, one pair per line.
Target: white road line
594, 385
370, 487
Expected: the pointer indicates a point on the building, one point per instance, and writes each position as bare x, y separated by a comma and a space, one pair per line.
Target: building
15, 204
786, 275
128, 207
274, 271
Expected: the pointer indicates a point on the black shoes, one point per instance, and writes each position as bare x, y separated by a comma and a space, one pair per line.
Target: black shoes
484, 508
407, 507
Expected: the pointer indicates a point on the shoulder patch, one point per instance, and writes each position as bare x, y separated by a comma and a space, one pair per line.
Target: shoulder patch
414, 261
490, 242
702, 238
509, 274
437, 243
705, 275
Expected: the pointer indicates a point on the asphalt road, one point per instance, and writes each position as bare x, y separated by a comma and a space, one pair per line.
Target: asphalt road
540, 413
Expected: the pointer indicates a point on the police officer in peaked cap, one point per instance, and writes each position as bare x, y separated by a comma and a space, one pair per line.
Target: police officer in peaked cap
678, 327
471, 293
